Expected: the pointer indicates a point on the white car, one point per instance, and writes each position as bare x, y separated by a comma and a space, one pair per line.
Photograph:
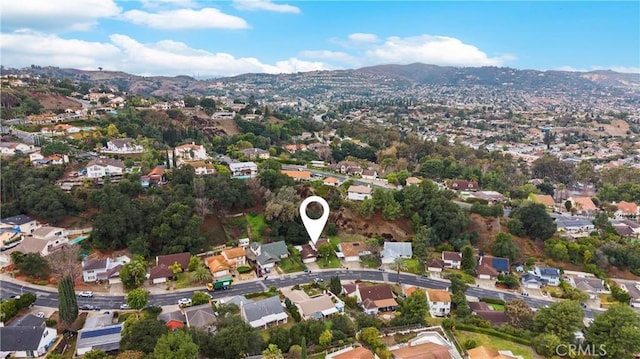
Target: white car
40, 315
86, 294
124, 306
184, 301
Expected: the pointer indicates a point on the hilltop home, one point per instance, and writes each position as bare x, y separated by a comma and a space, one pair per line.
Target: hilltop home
583, 206
374, 298
297, 175
103, 269
394, 250
101, 167
53, 236
592, 286
190, 152
439, 302
626, 210
243, 169
122, 146
545, 199
359, 193
20, 223
255, 153
452, 259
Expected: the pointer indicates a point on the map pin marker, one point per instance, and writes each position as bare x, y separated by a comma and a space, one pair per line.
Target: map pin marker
314, 226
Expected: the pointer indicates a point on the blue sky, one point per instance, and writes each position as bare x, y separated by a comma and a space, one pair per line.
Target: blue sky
223, 38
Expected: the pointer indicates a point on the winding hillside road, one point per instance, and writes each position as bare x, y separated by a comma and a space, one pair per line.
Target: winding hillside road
47, 297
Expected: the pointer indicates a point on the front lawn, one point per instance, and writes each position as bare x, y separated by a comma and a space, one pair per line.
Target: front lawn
312, 289
370, 261
469, 279
257, 224
292, 264
414, 266
331, 262
499, 307
495, 342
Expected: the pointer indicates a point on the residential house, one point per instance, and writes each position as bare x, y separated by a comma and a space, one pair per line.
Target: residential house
201, 317
359, 193
28, 320
231, 258
496, 317
190, 152
592, 286
501, 265
269, 254
256, 153
352, 353
633, 290
483, 352
153, 178
26, 341
201, 168
545, 199
583, 206
103, 269
174, 317
170, 259
486, 271
413, 180
235, 257
319, 307
217, 266
54, 237
160, 274
243, 170
452, 259
101, 167
463, 185
331, 181
532, 281
20, 223
370, 175
99, 333
492, 197
439, 302
574, 226
122, 146
297, 175
550, 275
394, 250
308, 253
264, 313
351, 251
435, 267
626, 210
12, 148
422, 351
631, 228
376, 298
348, 167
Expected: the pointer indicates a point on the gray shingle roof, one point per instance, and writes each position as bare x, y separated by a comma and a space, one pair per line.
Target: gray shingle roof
397, 249
257, 310
20, 338
271, 252
17, 220
175, 315
200, 316
28, 320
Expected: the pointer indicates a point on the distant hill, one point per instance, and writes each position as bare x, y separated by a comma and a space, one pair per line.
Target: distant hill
364, 81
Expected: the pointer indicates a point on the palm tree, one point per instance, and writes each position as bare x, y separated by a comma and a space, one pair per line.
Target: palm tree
201, 274
399, 264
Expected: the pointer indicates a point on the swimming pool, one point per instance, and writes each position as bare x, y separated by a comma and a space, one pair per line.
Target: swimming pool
78, 240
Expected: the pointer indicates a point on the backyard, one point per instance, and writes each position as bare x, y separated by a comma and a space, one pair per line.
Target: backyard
235, 227
496, 343
257, 225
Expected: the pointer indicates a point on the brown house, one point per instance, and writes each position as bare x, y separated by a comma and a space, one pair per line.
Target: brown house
170, 259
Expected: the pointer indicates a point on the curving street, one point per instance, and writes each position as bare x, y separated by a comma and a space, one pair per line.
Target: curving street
47, 297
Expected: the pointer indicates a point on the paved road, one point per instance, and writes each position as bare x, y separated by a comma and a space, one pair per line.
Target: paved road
48, 298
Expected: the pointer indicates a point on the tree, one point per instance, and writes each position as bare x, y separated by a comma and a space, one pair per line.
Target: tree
617, 330
413, 309
468, 263
175, 345
65, 262
67, 301
236, 340
519, 313
568, 205
421, 242
96, 354
142, 335
201, 274
504, 247
303, 345
175, 268
32, 265
295, 352
112, 131
367, 208
371, 338
325, 250
562, 319
335, 286
199, 298
133, 273
280, 337
137, 298
194, 263
536, 222
272, 352
546, 344
399, 264
344, 324
325, 338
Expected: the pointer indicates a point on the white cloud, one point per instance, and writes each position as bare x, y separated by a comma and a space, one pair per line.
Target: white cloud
622, 69
330, 56
360, 37
43, 15
570, 69
429, 49
124, 53
153, 4
266, 5
207, 18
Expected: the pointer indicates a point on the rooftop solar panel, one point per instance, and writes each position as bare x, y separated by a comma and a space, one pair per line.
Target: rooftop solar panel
101, 332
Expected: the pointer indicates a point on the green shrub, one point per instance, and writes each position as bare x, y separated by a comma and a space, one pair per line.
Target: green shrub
243, 269
493, 301
469, 344
50, 323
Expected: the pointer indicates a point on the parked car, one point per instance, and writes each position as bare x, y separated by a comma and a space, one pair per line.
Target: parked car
124, 306
86, 294
307, 270
318, 280
86, 307
184, 301
40, 315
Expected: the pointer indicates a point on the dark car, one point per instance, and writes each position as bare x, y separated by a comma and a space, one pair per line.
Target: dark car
86, 307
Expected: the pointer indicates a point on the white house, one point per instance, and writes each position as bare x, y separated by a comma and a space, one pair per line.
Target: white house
439, 302
26, 341
122, 146
201, 168
243, 169
592, 286
351, 251
11, 148
20, 223
359, 193
452, 259
101, 167
264, 313
435, 266
369, 174
53, 236
549, 275
626, 210
191, 152
394, 250
102, 269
